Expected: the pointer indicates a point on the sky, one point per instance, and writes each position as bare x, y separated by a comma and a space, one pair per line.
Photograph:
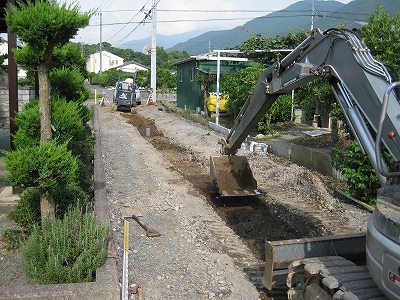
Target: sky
122, 20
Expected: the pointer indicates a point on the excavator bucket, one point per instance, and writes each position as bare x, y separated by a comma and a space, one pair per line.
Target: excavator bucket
232, 176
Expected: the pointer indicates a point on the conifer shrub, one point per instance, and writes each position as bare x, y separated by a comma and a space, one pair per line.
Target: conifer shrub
27, 211
68, 251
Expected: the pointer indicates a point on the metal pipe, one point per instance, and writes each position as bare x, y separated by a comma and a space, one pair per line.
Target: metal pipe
362, 133
382, 118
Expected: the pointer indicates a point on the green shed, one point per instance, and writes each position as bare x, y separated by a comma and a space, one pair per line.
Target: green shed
188, 93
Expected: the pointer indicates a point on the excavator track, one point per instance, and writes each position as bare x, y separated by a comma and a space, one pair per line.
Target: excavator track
330, 278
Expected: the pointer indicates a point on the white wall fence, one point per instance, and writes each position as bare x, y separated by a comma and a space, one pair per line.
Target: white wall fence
160, 96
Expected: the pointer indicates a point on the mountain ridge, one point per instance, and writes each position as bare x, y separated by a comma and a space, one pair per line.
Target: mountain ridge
297, 16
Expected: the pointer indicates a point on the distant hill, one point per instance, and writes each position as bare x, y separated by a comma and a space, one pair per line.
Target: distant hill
288, 19
297, 16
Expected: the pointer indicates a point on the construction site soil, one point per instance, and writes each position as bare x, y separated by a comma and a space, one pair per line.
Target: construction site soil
294, 203
157, 159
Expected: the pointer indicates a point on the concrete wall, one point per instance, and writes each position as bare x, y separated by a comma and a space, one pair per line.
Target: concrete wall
25, 94
311, 159
160, 96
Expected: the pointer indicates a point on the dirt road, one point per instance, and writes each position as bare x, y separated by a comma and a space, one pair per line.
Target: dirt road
210, 248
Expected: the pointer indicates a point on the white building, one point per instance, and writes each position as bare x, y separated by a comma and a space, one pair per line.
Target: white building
108, 61
4, 50
131, 66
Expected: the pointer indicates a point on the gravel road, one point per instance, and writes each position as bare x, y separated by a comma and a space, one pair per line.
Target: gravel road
204, 251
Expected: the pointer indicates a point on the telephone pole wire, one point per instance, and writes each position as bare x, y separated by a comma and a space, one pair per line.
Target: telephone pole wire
154, 50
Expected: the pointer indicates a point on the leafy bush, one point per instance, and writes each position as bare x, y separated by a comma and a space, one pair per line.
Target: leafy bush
13, 238
68, 251
280, 111
27, 211
361, 178
68, 83
109, 77
69, 120
239, 84
42, 166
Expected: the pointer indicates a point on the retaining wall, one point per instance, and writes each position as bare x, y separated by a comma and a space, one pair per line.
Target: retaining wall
25, 94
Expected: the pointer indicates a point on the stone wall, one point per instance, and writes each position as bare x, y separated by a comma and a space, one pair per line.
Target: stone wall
25, 94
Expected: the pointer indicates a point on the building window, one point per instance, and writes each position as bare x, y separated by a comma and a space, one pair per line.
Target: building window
116, 62
181, 76
192, 74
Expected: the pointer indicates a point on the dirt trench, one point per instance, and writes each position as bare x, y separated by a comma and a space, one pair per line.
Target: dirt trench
254, 219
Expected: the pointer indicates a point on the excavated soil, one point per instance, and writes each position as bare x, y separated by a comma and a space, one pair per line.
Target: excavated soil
294, 202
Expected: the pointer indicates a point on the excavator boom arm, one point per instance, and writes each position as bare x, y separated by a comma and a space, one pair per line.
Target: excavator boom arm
358, 81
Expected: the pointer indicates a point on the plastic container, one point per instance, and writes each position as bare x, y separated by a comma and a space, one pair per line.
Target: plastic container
259, 148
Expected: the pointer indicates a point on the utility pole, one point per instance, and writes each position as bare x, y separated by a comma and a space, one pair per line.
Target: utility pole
153, 50
312, 14
101, 46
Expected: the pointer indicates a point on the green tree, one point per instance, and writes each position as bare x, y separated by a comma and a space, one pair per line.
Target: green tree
206, 80
239, 84
252, 46
69, 56
42, 26
143, 78
165, 80
382, 36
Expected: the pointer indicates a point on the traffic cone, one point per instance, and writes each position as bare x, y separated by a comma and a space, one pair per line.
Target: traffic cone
150, 100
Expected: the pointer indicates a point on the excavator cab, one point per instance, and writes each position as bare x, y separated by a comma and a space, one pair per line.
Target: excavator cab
232, 176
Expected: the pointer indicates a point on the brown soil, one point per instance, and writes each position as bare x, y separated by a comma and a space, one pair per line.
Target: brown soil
249, 217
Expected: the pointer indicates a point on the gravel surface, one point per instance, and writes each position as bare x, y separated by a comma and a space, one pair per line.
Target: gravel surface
203, 252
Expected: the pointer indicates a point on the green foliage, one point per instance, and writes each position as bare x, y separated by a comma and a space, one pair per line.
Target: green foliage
69, 56
68, 118
42, 25
13, 238
70, 122
109, 77
165, 80
68, 83
257, 42
382, 36
143, 78
317, 92
42, 166
361, 178
68, 251
27, 211
239, 84
280, 111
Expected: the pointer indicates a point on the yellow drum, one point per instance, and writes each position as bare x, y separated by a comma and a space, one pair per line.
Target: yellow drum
212, 102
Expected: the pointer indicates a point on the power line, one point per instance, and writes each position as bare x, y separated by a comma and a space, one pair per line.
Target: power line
147, 15
216, 19
141, 10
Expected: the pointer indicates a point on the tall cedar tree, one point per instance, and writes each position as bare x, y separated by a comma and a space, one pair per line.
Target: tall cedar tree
41, 26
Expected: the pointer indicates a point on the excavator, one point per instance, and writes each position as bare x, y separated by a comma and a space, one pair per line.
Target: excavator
367, 92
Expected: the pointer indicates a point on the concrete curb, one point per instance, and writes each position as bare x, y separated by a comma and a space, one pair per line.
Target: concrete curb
106, 286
